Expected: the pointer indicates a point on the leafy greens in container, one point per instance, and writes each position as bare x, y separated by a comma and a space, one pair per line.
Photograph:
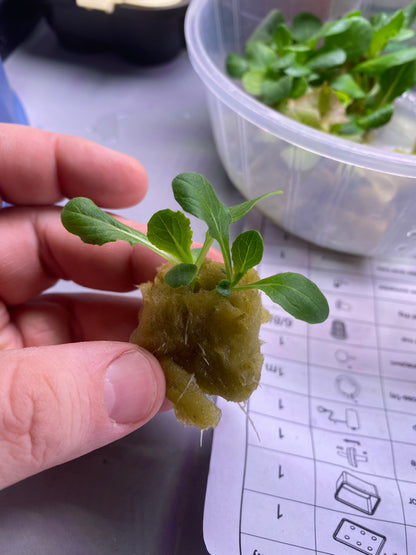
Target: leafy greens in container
341, 76
202, 318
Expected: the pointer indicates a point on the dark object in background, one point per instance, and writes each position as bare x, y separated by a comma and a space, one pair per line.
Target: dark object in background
144, 35
17, 19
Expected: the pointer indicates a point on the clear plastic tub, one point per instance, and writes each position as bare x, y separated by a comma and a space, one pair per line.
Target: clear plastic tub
338, 194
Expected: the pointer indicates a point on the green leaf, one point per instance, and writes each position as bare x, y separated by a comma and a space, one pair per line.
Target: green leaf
346, 83
349, 129
171, 232
304, 26
252, 81
378, 20
331, 28
82, 217
327, 58
377, 118
325, 99
378, 65
259, 55
403, 34
384, 33
247, 252
284, 61
281, 38
240, 210
299, 87
273, 91
297, 48
298, 70
264, 31
224, 288
395, 81
409, 13
181, 275
196, 195
296, 294
354, 40
236, 65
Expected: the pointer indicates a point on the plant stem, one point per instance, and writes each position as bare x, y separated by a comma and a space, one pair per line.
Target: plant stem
204, 250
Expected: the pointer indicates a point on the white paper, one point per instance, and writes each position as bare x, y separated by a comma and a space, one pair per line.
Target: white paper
324, 461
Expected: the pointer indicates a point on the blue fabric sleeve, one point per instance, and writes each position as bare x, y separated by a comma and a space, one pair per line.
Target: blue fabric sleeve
11, 109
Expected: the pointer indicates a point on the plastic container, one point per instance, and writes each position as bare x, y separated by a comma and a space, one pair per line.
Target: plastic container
337, 194
144, 34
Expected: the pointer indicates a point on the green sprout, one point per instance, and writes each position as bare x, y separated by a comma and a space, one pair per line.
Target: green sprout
341, 76
169, 234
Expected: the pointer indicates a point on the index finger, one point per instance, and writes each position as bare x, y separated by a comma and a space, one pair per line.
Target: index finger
41, 167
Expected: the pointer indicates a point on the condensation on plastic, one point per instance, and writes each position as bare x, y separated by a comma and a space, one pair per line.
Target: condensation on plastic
11, 109
338, 194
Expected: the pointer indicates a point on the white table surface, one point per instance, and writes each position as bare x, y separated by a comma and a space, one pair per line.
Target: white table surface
144, 494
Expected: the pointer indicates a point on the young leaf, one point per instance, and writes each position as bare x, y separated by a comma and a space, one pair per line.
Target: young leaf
355, 40
82, 217
351, 129
240, 210
259, 55
273, 91
181, 275
409, 13
346, 83
327, 58
196, 195
264, 31
283, 62
247, 252
296, 294
252, 81
384, 33
236, 65
298, 70
378, 65
304, 26
171, 232
298, 48
299, 87
281, 38
377, 118
395, 81
331, 28
223, 288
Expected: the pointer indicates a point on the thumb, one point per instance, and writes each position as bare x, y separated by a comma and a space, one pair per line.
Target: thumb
63, 401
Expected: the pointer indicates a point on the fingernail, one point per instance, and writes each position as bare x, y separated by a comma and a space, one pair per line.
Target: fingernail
129, 388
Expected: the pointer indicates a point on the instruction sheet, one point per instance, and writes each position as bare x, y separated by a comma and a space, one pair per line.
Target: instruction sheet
322, 459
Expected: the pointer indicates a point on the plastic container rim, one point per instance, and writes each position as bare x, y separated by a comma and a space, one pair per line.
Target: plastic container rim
295, 133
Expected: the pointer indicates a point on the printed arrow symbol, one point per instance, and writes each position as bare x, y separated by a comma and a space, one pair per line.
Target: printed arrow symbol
279, 514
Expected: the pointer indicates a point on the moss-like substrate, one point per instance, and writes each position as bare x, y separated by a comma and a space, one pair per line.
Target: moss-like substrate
207, 344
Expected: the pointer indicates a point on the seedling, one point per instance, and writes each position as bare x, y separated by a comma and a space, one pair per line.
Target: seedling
341, 76
200, 318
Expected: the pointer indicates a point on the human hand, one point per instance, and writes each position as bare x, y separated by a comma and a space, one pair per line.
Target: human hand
70, 382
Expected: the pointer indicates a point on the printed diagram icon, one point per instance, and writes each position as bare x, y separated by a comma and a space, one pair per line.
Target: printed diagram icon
359, 538
352, 455
357, 493
351, 419
338, 329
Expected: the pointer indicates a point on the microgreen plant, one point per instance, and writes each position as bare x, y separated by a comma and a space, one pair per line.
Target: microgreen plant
169, 234
341, 76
